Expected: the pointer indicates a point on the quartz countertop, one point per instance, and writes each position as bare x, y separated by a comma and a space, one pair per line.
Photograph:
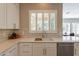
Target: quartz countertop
9, 43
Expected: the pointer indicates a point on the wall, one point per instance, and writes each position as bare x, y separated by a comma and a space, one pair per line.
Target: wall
4, 34
24, 16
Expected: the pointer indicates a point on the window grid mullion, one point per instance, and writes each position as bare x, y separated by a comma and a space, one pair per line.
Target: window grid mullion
36, 21
42, 22
49, 24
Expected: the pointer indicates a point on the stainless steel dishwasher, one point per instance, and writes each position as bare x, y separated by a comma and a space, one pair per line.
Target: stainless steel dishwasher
65, 49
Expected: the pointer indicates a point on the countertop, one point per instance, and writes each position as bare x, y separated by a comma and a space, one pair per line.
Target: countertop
9, 43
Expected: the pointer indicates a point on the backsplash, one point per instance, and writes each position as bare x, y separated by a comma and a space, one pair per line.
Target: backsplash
4, 33
44, 35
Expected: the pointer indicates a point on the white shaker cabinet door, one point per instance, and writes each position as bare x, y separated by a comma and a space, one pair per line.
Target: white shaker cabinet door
13, 51
5, 53
38, 49
10, 52
12, 16
76, 49
44, 49
51, 49
2, 16
25, 49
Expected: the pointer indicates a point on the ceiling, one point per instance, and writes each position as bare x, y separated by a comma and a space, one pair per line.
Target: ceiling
71, 10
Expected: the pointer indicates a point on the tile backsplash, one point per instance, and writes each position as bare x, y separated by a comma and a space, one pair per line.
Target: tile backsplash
4, 33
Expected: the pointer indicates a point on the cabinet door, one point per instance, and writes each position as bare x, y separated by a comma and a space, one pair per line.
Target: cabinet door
13, 51
2, 16
10, 52
51, 49
25, 49
16, 13
76, 49
5, 53
38, 49
12, 16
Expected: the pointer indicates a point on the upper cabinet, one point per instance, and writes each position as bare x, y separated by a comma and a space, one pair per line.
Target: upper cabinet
13, 16
2, 16
9, 16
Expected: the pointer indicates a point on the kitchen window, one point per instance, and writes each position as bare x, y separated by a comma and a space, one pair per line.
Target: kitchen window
71, 28
71, 31
42, 21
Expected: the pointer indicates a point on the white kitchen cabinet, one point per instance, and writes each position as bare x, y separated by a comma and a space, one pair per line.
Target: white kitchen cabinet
9, 16
76, 49
38, 49
25, 49
12, 16
10, 52
51, 49
5, 53
44, 49
31, 49
13, 51
2, 16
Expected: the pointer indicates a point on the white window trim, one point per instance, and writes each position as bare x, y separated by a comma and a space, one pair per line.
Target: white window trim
40, 11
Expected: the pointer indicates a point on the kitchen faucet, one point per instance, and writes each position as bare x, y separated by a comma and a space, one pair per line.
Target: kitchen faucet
44, 35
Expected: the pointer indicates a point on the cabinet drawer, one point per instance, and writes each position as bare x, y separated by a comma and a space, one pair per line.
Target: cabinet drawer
26, 53
50, 44
22, 45
25, 49
38, 44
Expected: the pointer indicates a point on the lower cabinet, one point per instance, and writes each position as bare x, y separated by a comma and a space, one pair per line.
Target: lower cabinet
5, 53
44, 49
31, 49
25, 49
76, 49
13, 51
51, 51
38, 49
10, 52
35, 49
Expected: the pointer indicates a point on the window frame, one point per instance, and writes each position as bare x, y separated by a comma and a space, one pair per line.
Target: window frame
43, 11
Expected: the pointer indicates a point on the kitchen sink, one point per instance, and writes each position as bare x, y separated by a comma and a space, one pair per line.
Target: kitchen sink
38, 39
43, 39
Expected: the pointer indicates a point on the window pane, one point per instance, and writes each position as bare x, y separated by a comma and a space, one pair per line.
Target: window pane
77, 28
46, 21
33, 21
52, 21
66, 28
39, 21
73, 28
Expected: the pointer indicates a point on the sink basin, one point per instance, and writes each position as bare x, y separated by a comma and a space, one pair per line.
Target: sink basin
38, 39
43, 39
